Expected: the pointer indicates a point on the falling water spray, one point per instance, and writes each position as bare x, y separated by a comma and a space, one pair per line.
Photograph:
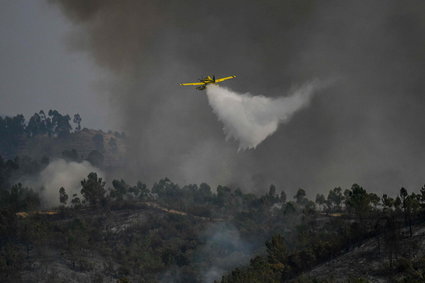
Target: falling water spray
250, 119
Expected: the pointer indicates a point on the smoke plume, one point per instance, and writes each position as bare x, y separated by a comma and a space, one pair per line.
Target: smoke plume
224, 250
251, 119
61, 173
368, 129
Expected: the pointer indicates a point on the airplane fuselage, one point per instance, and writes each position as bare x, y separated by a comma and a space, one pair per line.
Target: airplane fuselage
208, 80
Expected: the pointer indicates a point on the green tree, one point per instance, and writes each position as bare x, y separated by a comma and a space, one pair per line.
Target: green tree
358, 201
397, 204
412, 205
93, 189
141, 191
387, 202
374, 199
290, 208
166, 189
283, 196
120, 189
277, 252
309, 208
203, 194
60, 123
422, 196
34, 125
63, 196
403, 197
224, 197
300, 196
335, 199
76, 202
19, 198
272, 191
77, 120
320, 200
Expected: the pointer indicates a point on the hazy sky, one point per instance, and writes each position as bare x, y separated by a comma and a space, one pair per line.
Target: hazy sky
367, 128
38, 71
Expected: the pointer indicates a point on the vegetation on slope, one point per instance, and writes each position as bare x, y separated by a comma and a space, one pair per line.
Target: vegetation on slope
194, 233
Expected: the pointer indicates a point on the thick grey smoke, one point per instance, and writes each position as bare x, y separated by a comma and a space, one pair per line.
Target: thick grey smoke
61, 173
250, 119
367, 129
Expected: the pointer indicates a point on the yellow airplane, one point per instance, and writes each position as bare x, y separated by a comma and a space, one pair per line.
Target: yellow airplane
208, 80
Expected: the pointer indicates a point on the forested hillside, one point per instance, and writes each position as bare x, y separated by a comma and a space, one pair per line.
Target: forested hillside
52, 135
167, 233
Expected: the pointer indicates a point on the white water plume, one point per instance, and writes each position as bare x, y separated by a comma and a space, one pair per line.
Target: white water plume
250, 119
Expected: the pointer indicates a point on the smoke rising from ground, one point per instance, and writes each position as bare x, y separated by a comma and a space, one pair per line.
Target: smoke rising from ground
223, 237
223, 249
61, 173
250, 119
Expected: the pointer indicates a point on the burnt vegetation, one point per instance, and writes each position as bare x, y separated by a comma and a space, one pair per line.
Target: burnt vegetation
139, 233
117, 231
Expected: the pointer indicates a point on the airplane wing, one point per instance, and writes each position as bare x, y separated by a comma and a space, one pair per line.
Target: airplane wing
193, 84
225, 78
